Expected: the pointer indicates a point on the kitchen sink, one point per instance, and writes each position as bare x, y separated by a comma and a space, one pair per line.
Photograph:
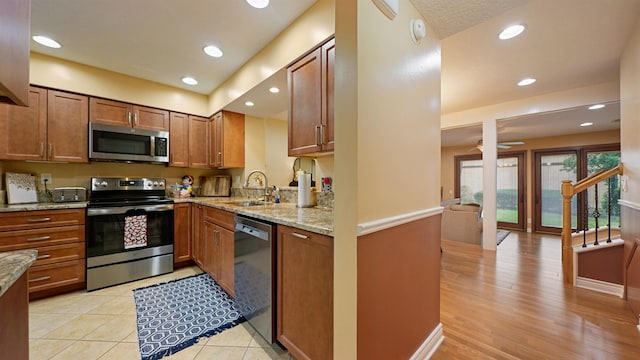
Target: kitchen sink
247, 203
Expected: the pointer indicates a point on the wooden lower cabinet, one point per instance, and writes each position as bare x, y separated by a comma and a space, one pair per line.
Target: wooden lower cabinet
182, 234
305, 293
213, 244
59, 238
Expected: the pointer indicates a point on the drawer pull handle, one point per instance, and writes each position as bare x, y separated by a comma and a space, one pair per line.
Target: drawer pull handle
299, 235
39, 238
39, 220
43, 257
40, 279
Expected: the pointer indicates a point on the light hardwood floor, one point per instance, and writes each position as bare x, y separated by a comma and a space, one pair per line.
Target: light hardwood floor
512, 304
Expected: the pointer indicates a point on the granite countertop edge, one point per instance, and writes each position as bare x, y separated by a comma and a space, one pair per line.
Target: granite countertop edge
314, 219
12, 265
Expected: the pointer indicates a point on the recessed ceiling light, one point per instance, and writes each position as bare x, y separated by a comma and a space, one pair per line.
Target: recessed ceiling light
258, 4
511, 32
212, 51
527, 81
49, 42
586, 124
596, 107
189, 80
249, 103
274, 90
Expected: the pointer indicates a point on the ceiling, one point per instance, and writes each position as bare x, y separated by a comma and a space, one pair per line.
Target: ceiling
566, 44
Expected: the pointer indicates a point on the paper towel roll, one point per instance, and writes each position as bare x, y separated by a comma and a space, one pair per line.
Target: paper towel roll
304, 190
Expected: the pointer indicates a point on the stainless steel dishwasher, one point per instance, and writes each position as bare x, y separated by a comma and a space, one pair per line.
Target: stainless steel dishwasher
255, 273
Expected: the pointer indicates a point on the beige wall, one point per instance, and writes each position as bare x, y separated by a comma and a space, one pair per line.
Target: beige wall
80, 174
65, 75
310, 29
630, 116
449, 153
266, 149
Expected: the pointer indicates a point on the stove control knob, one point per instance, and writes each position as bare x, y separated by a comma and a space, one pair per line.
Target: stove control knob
161, 184
104, 184
149, 184
155, 184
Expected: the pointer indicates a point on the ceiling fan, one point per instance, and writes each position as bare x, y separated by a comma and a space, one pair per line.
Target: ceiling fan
500, 145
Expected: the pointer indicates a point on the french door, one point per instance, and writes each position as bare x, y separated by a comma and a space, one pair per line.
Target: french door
554, 166
510, 178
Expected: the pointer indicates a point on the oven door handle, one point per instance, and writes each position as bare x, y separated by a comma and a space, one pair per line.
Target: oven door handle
124, 209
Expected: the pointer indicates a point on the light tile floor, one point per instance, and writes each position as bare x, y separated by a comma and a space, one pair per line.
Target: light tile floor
102, 325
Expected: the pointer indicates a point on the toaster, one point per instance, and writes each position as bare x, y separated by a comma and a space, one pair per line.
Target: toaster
69, 194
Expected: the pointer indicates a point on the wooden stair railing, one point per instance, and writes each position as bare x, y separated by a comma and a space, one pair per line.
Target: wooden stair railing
568, 191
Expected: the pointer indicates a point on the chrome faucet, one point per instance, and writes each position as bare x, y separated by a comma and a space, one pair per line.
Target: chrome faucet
266, 182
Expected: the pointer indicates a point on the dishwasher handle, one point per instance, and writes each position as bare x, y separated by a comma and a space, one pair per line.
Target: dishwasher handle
250, 230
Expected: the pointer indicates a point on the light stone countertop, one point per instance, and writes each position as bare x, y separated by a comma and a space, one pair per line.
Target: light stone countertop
12, 265
42, 206
315, 219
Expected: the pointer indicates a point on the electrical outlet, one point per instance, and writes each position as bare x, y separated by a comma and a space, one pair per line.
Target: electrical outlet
45, 179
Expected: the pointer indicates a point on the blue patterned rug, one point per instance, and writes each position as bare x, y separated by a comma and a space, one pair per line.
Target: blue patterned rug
174, 315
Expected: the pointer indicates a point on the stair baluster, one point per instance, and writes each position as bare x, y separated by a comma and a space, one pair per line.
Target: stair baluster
585, 222
596, 215
609, 210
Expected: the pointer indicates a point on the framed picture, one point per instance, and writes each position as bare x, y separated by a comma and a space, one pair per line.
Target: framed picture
21, 188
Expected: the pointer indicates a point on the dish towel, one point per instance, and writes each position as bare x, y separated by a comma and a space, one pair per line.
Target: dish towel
135, 231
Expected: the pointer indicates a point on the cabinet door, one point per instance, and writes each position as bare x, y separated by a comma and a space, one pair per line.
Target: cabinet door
328, 74
305, 293
197, 213
110, 112
228, 148
210, 249
225, 260
23, 130
216, 128
179, 140
150, 118
198, 142
181, 233
67, 127
305, 104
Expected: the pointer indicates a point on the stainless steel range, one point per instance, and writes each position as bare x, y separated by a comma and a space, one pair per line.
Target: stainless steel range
129, 231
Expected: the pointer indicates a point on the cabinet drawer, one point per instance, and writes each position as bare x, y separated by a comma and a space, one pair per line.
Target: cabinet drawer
28, 239
53, 275
59, 253
220, 217
24, 220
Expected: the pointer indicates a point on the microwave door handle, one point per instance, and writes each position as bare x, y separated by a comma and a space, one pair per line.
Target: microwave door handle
153, 146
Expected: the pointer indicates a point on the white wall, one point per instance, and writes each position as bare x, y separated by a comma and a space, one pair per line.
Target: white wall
630, 116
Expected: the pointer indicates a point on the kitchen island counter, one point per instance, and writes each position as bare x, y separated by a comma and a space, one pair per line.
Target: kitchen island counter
12, 265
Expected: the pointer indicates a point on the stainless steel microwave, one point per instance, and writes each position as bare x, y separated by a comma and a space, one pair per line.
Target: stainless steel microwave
124, 143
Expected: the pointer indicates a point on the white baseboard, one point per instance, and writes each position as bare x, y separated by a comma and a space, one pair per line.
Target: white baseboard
430, 345
600, 286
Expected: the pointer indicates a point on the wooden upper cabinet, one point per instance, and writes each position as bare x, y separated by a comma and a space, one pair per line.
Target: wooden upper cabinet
227, 145
67, 127
23, 130
14, 47
112, 112
310, 83
150, 118
179, 140
54, 127
198, 142
328, 61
